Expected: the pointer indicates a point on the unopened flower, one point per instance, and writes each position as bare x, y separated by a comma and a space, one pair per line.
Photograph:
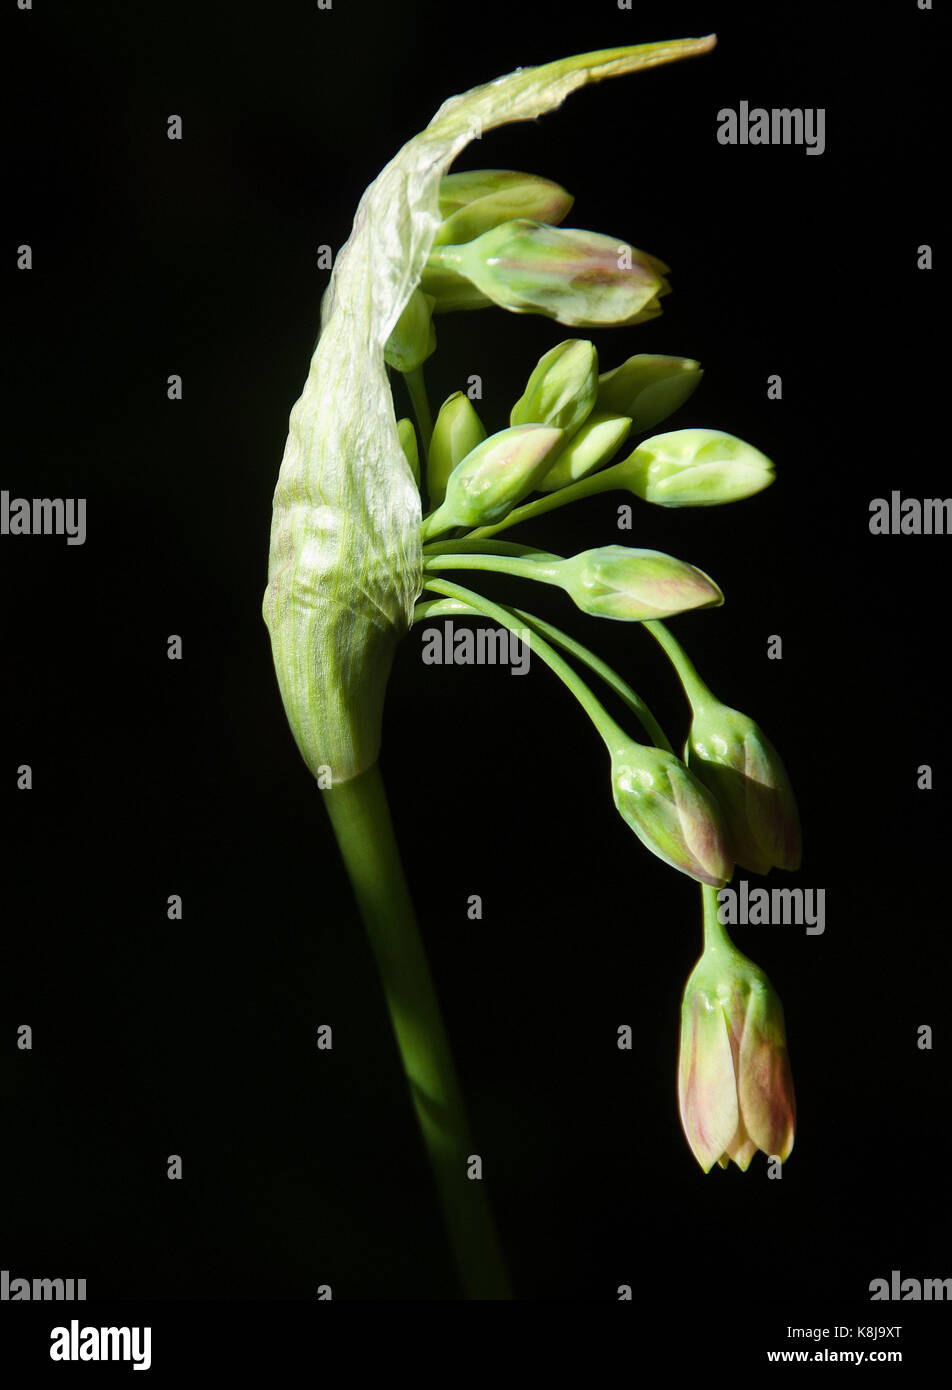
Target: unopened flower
475, 201
561, 390
735, 1090
671, 812
574, 276
648, 388
408, 443
695, 468
618, 581
493, 477
457, 431
413, 339
592, 445
735, 759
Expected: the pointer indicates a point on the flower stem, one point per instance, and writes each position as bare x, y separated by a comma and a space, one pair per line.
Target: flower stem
361, 819
609, 730
421, 406
438, 608
607, 481
695, 689
716, 939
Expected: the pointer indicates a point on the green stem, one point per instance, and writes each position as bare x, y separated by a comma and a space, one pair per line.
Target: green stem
361, 820
695, 689
608, 481
421, 406
439, 607
716, 939
500, 564
612, 734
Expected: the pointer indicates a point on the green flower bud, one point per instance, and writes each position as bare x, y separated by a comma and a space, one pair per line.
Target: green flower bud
617, 581
671, 812
408, 443
736, 761
573, 276
413, 338
462, 189
561, 389
592, 445
493, 477
649, 388
695, 468
457, 431
735, 1089
473, 202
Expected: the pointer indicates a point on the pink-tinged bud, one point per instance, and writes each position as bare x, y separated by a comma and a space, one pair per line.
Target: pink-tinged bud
671, 812
618, 581
493, 477
736, 761
574, 276
735, 1090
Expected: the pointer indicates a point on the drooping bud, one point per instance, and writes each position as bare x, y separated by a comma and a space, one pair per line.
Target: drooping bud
735, 1089
649, 388
413, 338
591, 446
408, 443
561, 389
574, 276
493, 477
457, 431
695, 468
736, 761
618, 581
473, 202
671, 812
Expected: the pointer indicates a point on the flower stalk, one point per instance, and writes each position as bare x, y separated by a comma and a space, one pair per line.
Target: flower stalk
351, 549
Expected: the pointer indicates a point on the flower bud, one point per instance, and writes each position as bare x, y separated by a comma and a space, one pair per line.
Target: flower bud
573, 276
472, 203
735, 1090
670, 811
617, 581
591, 446
457, 431
695, 468
561, 389
649, 388
737, 762
408, 443
413, 338
493, 477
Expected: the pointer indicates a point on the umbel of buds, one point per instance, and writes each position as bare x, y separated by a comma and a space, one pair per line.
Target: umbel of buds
735, 1090
670, 811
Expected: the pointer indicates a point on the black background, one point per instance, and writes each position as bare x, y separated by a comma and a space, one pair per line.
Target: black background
154, 777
